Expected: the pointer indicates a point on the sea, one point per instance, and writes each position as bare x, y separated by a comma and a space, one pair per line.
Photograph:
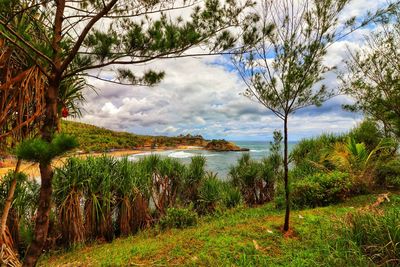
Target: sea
217, 162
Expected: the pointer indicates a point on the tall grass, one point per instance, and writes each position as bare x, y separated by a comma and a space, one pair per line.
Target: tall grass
377, 235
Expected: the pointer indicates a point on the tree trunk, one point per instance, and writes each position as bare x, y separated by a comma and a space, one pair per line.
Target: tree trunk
8, 203
46, 172
286, 175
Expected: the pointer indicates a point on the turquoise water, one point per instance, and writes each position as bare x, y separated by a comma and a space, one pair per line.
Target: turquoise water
218, 162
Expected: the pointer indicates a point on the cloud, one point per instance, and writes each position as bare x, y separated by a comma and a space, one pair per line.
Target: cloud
169, 129
203, 96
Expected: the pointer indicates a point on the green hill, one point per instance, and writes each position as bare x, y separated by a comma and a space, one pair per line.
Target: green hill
93, 138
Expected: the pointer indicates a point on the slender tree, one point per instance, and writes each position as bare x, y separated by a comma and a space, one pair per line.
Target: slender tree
82, 36
373, 75
282, 62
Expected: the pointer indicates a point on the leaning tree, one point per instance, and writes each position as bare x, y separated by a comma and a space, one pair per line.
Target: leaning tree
282, 60
22, 102
82, 36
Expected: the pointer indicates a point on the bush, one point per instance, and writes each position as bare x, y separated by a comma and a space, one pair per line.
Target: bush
231, 196
321, 189
209, 194
178, 218
309, 155
368, 133
388, 173
256, 180
378, 236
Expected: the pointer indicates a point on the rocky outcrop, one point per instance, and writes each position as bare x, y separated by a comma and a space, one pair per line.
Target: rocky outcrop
223, 145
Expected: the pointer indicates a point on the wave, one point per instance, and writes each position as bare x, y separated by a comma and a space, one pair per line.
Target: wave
181, 155
258, 150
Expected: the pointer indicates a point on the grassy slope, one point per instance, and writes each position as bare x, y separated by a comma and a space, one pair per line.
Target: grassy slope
238, 237
93, 138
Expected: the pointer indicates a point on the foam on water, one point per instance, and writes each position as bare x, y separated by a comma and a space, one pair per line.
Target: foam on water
181, 155
258, 150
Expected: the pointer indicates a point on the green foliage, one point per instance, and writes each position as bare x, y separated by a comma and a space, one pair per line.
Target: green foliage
309, 155
38, 150
377, 235
231, 196
373, 81
178, 218
321, 189
92, 138
239, 237
388, 173
23, 208
194, 176
368, 133
256, 180
210, 193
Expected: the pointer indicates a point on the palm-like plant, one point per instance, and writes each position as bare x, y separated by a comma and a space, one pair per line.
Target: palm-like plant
99, 198
69, 184
355, 158
23, 206
127, 176
210, 193
246, 176
193, 178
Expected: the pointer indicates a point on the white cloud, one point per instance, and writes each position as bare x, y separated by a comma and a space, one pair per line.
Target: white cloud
202, 96
169, 129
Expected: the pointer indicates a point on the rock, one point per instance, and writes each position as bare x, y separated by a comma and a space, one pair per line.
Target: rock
223, 145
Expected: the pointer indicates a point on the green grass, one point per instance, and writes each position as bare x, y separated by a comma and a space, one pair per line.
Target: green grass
239, 237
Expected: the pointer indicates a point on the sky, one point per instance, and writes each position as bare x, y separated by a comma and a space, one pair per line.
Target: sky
202, 95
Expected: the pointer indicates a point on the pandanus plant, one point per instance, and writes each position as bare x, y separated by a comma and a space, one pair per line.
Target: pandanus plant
99, 198
210, 193
246, 176
69, 184
194, 175
166, 177
22, 209
256, 180
133, 192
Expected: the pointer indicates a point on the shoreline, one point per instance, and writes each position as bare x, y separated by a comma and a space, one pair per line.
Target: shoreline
32, 169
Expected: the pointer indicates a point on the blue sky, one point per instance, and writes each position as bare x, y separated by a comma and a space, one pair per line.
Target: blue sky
203, 96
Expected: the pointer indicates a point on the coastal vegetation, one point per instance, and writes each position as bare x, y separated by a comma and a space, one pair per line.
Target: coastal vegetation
105, 199
343, 189
97, 139
326, 236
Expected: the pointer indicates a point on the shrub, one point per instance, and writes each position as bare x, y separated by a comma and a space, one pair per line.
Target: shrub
378, 236
368, 133
194, 175
255, 180
231, 196
321, 189
209, 194
309, 155
388, 173
178, 218
24, 204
